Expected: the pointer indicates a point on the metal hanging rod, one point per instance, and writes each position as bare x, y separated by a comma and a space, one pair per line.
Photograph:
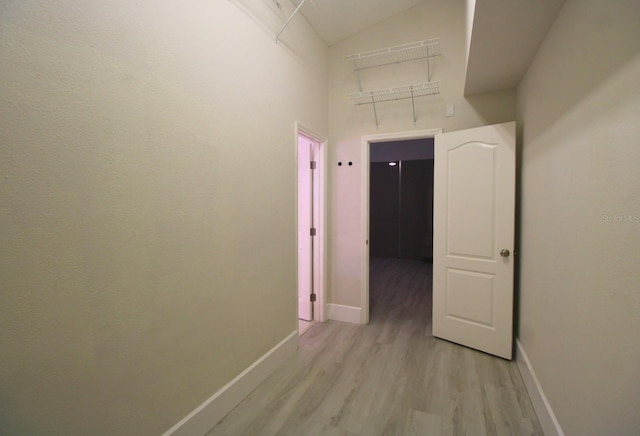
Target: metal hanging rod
289, 19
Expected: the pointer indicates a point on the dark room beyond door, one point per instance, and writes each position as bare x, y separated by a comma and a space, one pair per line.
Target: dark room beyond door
401, 209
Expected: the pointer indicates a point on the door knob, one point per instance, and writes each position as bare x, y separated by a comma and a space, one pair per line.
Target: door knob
504, 252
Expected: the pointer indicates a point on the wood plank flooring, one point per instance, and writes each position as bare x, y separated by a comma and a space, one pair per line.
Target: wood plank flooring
390, 377
303, 326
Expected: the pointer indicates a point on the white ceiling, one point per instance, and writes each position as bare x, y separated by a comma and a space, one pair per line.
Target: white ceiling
506, 33
335, 20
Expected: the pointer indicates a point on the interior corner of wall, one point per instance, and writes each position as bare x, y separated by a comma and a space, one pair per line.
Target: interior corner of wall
471, 9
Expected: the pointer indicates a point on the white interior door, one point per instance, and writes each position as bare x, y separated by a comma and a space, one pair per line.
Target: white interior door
474, 206
305, 222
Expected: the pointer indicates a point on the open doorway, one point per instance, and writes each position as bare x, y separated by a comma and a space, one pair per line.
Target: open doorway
395, 244
400, 227
311, 235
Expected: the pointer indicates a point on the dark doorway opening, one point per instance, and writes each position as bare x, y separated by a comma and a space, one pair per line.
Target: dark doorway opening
401, 199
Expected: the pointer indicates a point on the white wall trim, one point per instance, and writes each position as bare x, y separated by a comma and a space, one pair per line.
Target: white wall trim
209, 413
365, 141
546, 417
339, 312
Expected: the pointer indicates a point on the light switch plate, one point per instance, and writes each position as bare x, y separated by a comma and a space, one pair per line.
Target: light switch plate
451, 110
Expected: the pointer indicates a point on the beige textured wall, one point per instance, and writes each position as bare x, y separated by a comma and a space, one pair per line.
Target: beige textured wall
578, 110
347, 123
147, 206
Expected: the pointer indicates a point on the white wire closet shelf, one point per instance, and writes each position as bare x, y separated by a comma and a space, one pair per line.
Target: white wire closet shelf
393, 94
411, 51
397, 93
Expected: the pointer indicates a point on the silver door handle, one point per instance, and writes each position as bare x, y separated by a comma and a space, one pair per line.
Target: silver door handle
504, 252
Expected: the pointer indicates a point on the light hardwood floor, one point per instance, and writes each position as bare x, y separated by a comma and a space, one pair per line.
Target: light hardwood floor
390, 377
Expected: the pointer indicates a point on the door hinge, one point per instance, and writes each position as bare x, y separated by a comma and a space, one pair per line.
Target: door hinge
313, 165
312, 297
313, 231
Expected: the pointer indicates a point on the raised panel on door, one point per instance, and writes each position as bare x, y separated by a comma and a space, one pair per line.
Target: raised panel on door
471, 200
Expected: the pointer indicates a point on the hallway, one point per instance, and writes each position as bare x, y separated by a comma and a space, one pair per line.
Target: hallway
387, 377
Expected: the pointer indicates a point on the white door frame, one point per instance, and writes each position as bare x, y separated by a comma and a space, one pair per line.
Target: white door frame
320, 219
366, 141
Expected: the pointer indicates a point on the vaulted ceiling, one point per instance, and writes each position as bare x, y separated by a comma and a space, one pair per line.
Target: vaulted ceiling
335, 20
505, 37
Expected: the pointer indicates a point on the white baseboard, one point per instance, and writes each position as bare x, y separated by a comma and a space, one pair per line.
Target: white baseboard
209, 413
546, 417
339, 312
